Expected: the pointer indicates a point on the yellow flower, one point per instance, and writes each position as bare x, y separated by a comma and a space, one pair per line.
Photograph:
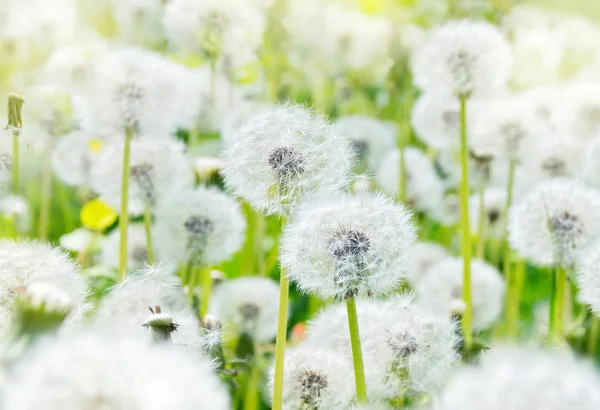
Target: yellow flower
97, 216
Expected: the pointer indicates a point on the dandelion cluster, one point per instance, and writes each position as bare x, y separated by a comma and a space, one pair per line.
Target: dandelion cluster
299, 205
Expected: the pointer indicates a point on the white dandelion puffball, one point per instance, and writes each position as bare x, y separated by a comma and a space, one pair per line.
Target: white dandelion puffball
422, 256
127, 306
16, 208
91, 369
580, 116
73, 157
204, 226
316, 378
502, 128
436, 121
466, 58
214, 27
24, 263
588, 277
442, 290
371, 138
494, 218
284, 155
554, 221
346, 246
137, 250
250, 305
424, 188
524, 379
406, 348
156, 167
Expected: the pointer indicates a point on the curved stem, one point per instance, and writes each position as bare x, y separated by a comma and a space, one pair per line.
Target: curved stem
282, 317
148, 230
357, 357
124, 216
466, 233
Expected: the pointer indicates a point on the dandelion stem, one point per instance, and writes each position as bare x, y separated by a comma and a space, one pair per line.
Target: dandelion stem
506, 265
45, 197
557, 305
593, 336
65, 207
466, 233
124, 217
357, 357
15, 162
148, 229
251, 397
404, 138
481, 224
284, 290
206, 291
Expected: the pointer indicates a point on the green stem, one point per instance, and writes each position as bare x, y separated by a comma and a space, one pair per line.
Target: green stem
15, 162
506, 265
466, 232
557, 305
251, 401
357, 356
593, 336
206, 291
284, 289
45, 198
249, 252
124, 217
65, 206
481, 224
513, 301
148, 229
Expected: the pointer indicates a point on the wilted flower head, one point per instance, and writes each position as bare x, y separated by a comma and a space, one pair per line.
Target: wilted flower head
204, 226
25, 263
501, 128
283, 155
316, 378
73, 157
248, 304
424, 188
137, 249
554, 221
214, 28
494, 204
95, 370
371, 138
407, 349
523, 379
422, 256
156, 167
466, 58
442, 290
348, 245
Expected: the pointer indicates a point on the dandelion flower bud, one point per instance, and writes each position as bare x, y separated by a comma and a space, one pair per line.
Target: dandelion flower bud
523, 379
316, 378
156, 167
207, 167
204, 226
87, 370
442, 290
250, 305
423, 256
464, 58
161, 324
284, 155
554, 221
424, 188
24, 263
494, 204
370, 138
348, 246
137, 249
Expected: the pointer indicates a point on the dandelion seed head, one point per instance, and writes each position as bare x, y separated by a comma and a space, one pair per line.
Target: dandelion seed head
371, 138
98, 370
73, 157
136, 247
24, 263
554, 222
249, 305
494, 204
534, 378
204, 226
424, 188
284, 155
423, 256
466, 58
554, 157
442, 287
